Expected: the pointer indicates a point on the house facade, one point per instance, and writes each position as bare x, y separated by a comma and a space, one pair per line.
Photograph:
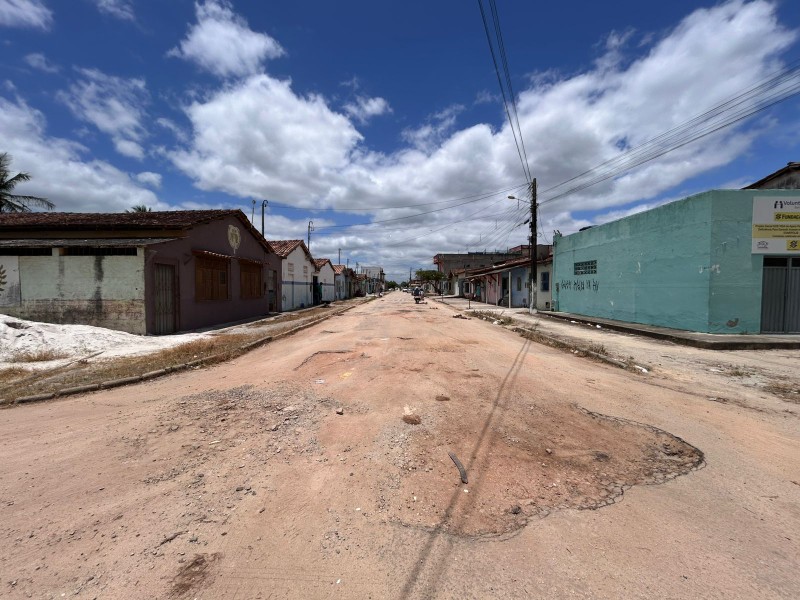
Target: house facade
297, 273
340, 282
724, 261
144, 273
326, 279
506, 284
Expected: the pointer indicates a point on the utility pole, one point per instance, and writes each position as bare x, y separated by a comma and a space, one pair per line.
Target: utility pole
532, 279
340, 257
310, 229
263, 204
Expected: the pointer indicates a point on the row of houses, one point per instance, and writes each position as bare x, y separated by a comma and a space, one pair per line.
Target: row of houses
722, 261
498, 278
160, 272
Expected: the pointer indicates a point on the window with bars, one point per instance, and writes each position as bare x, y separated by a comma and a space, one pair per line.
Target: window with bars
587, 267
545, 281
250, 281
92, 251
211, 279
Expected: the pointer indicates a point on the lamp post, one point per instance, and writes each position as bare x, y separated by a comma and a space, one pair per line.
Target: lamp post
532, 279
310, 229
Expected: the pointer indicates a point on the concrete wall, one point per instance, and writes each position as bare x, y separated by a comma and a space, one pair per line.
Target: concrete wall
104, 291
736, 274
685, 265
326, 277
296, 283
211, 237
338, 283
653, 267
544, 298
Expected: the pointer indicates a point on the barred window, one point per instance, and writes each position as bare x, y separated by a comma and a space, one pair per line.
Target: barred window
210, 279
587, 267
93, 251
250, 280
545, 283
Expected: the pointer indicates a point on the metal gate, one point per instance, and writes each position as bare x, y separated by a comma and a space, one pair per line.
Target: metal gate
165, 299
780, 303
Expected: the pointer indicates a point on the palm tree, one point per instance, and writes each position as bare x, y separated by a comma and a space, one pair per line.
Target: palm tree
12, 203
139, 208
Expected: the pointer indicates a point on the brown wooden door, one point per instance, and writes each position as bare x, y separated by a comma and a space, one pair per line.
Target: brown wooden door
165, 299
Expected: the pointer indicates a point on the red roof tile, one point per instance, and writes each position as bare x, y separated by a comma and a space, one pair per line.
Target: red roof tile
174, 219
320, 262
284, 247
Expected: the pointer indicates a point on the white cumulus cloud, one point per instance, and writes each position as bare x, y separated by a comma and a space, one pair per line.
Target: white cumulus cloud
115, 105
37, 60
222, 43
362, 109
149, 179
32, 14
120, 9
61, 170
258, 138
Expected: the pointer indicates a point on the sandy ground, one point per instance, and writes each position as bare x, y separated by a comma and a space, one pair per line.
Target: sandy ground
243, 481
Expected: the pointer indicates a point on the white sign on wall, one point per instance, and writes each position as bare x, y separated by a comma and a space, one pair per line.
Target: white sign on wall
9, 281
776, 225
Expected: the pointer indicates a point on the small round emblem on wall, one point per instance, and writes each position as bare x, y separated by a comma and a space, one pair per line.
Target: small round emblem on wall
234, 237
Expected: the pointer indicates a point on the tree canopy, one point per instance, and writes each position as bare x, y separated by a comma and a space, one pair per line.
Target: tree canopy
13, 203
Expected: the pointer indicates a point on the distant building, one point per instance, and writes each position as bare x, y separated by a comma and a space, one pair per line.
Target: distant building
787, 178
340, 282
297, 273
326, 279
148, 272
450, 264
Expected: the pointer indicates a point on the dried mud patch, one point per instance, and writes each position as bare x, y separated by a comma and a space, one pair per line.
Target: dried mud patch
193, 574
790, 392
524, 465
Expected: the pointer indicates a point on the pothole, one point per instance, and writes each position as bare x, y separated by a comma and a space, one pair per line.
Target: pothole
528, 465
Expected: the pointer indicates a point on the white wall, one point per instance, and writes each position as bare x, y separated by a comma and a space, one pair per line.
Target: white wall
297, 273
326, 278
106, 291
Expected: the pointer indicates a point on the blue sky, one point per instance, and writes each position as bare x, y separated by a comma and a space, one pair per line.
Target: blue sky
379, 112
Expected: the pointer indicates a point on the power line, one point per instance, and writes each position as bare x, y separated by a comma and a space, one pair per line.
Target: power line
522, 157
429, 212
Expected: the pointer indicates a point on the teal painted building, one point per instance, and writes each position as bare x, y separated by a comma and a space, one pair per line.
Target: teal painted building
690, 264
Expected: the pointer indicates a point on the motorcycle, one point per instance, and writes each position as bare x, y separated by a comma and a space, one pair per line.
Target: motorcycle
419, 295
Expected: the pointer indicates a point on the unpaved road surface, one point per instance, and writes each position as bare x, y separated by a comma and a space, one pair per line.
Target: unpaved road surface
244, 481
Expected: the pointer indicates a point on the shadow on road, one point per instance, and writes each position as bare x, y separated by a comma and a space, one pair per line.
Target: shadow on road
437, 562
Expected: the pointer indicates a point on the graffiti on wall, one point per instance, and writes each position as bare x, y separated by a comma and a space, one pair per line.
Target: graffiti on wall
9, 281
579, 285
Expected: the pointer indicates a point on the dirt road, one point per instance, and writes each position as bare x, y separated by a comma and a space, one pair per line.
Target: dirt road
244, 481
